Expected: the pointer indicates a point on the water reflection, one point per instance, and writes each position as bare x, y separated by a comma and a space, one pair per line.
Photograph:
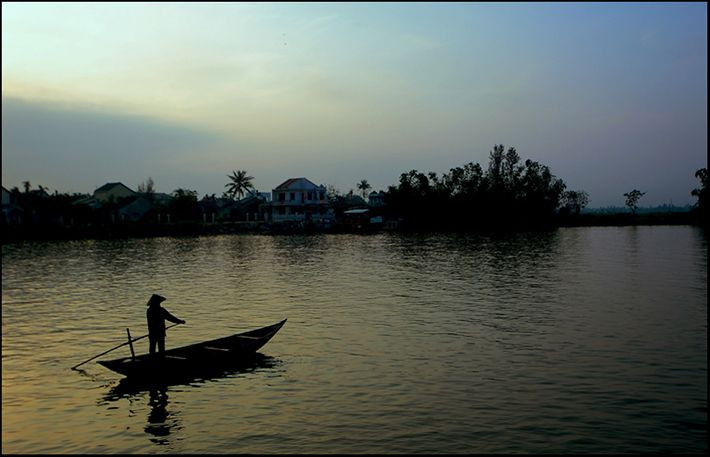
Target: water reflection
299, 249
128, 387
159, 424
541, 342
162, 420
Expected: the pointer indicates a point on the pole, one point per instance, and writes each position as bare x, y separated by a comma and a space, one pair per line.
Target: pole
112, 349
130, 343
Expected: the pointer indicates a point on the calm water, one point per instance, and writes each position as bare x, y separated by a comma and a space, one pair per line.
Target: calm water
582, 340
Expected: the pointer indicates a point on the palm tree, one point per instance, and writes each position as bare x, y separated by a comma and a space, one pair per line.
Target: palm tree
364, 186
240, 183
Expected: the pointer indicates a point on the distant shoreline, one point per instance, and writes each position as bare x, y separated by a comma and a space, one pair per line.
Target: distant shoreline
621, 219
20, 233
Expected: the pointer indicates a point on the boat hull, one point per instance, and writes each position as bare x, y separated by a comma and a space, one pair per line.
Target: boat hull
230, 351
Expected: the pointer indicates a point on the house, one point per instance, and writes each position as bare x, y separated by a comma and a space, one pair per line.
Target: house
251, 208
5, 197
361, 219
135, 210
356, 218
158, 198
91, 202
266, 196
215, 208
113, 190
300, 200
11, 212
376, 199
353, 201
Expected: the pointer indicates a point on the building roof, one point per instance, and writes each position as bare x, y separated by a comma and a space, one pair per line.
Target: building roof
157, 197
110, 185
89, 201
356, 211
139, 202
297, 183
354, 200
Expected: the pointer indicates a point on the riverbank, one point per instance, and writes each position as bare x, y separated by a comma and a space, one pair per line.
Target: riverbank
620, 219
19, 233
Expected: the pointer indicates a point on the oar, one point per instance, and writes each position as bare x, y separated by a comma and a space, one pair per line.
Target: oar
122, 344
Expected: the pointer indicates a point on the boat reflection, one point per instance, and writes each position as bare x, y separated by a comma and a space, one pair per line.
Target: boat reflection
162, 421
128, 387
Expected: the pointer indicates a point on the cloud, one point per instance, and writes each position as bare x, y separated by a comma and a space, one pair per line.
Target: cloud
54, 143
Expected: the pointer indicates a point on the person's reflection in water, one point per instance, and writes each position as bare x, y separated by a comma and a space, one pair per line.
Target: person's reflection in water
158, 425
163, 426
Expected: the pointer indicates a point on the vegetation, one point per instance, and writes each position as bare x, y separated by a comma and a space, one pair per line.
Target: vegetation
574, 201
184, 205
39, 207
147, 187
508, 193
239, 184
332, 192
701, 206
364, 186
632, 199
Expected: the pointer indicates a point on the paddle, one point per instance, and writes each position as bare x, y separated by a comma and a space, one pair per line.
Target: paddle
122, 344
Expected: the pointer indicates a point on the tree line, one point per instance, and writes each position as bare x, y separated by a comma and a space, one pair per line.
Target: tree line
509, 192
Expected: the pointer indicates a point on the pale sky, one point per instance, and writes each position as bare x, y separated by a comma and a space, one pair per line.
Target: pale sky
611, 97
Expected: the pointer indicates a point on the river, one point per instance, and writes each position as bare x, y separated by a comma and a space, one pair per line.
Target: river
576, 340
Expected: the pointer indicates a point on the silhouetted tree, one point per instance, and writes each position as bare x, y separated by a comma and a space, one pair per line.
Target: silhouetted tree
511, 170
575, 200
403, 200
540, 191
632, 199
364, 186
506, 193
332, 192
147, 187
495, 167
184, 204
702, 193
240, 183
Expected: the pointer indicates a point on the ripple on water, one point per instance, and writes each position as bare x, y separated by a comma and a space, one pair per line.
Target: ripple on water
585, 340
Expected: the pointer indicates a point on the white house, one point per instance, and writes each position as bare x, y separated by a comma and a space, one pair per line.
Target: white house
299, 200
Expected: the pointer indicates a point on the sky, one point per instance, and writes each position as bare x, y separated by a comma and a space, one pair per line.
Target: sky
611, 96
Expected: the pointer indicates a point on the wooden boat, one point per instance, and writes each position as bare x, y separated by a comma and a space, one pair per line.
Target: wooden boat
185, 360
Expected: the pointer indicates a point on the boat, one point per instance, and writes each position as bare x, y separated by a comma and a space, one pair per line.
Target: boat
137, 385
200, 357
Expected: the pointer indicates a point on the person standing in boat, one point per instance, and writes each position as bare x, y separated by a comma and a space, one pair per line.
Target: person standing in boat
157, 315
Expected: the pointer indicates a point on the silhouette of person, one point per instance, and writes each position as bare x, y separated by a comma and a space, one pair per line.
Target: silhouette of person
161, 422
156, 323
